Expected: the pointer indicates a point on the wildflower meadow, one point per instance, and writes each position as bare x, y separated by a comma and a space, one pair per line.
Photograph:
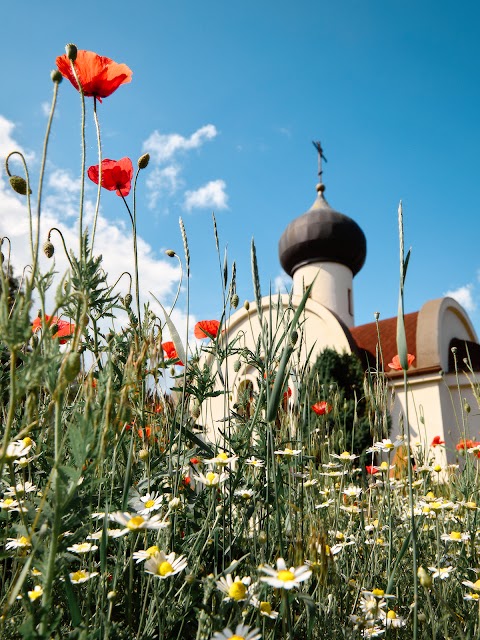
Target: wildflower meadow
123, 517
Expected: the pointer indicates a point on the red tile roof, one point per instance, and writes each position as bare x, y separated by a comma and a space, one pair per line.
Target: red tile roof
366, 339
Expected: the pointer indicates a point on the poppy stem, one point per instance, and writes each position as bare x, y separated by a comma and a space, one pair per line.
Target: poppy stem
84, 153
135, 255
99, 144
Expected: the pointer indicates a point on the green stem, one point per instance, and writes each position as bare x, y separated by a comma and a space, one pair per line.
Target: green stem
11, 408
99, 145
84, 154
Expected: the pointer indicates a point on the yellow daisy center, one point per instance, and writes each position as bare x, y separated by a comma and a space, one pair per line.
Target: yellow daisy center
384, 466
151, 551
471, 505
235, 637
288, 452
135, 523
27, 441
285, 575
165, 568
78, 575
380, 541
437, 468
149, 503
391, 615
23, 541
378, 592
345, 454
36, 593
223, 456
211, 477
474, 596
8, 501
389, 445
456, 535
237, 591
476, 585
339, 535
266, 607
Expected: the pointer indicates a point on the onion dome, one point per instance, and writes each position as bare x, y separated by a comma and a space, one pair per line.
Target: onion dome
322, 235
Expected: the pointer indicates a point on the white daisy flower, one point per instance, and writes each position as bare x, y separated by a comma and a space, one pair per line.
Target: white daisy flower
82, 547
145, 554
151, 502
37, 592
283, 578
211, 479
222, 459
163, 566
440, 572
136, 523
264, 607
19, 449
234, 588
287, 452
455, 536
82, 576
345, 456
241, 632
18, 543
254, 462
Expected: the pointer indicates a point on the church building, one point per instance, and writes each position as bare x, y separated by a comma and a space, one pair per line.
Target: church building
328, 248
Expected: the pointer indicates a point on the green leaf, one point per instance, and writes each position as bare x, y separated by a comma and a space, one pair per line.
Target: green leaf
173, 333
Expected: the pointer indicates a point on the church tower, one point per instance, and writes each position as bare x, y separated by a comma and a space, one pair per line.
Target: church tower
328, 247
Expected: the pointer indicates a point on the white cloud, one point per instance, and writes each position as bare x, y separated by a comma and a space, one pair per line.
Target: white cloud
282, 283
162, 147
8, 144
212, 196
464, 296
46, 108
160, 181
113, 239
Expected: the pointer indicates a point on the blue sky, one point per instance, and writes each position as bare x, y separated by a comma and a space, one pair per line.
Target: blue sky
227, 97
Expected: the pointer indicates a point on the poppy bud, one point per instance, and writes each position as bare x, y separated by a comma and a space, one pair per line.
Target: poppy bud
143, 161
262, 537
71, 368
234, 301
236, 366
246, 305
466, 407
128, 300
56, 76
54, 328
71, 51
170, 253
294, 338
143, 454
48, 249
19, 185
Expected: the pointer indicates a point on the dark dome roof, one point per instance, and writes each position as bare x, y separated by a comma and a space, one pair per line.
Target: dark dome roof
322, 235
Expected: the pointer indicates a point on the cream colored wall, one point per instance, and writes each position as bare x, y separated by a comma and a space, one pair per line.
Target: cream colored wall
436, 408
319, 329
332, 283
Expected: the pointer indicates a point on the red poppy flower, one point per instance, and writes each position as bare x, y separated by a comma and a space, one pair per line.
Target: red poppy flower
65, 329
171, 352
395, 363
464, 444
194, 460
116, 175
322, 407
206, 329
437, 441
99, 76
287, 394
372, 470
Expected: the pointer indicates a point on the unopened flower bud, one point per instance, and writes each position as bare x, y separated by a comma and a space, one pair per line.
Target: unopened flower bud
143, 454
128, 300
219, 510
189, 578
72, 366
71, 51
48, 249
236, 366
54, 328
376, 315
143, 161
246, 305
111, 595
294, 338
424, 577
234, 300
19, 185
170, 253
262, 537
466, 407
56, 76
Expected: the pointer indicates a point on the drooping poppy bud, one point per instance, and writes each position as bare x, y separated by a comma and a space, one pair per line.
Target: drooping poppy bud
19, 185
56, 76
48, 249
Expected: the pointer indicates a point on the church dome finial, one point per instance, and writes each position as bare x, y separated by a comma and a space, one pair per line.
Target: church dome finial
322, 235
